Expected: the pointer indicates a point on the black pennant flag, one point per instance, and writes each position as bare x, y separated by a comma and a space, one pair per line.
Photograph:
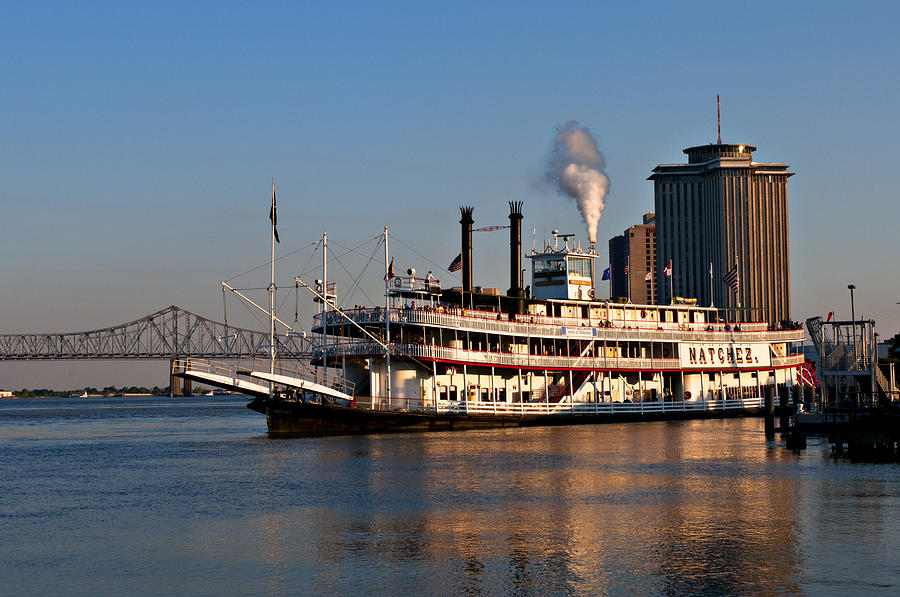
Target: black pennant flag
273, 215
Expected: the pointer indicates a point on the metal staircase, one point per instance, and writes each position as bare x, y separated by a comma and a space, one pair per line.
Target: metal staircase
848, 361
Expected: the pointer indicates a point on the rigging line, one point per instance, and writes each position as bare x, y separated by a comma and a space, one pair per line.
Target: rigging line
336, 256
355, 285
351, 291
268, 263
356, 280
357, 247
400, 240
313, 254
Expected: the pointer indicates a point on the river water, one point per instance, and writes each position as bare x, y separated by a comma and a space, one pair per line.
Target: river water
159, 496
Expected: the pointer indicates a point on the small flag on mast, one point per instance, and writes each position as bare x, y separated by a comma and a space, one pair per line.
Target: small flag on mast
732, 279
390, 272
273, 214
668, 269
626, 270
605, 274
456, 264
648, 277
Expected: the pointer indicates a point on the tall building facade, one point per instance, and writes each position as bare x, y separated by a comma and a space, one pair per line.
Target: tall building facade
718, 211
618, 258
632, 256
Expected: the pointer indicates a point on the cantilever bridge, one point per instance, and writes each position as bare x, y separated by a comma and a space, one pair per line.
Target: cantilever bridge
171, 333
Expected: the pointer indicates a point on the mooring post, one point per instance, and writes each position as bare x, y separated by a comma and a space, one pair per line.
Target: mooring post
770, 412
795, 439
785, 409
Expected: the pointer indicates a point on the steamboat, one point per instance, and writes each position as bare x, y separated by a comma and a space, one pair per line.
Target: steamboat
435, 358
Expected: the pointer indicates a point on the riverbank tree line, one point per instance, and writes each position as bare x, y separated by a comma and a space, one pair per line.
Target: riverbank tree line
107, 391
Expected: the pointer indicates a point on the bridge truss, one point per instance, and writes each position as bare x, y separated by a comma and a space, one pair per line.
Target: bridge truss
167, 334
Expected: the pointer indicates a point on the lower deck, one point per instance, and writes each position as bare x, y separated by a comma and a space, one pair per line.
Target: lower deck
440, 387
286, 417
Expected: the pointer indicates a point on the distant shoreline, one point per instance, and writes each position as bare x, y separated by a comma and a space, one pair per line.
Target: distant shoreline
127, 395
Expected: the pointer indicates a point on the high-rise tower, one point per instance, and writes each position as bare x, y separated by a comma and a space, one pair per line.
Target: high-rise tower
723, 208
631, 257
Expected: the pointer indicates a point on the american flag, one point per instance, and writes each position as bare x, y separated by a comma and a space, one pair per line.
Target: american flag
732, 279
626, 270
456, 264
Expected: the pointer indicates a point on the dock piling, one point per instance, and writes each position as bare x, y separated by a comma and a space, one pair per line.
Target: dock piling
770, 412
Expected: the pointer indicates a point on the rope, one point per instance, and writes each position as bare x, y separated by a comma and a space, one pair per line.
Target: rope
355, 286
437, 267
268, 263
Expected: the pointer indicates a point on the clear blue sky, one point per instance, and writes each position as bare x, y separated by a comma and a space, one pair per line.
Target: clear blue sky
139, 142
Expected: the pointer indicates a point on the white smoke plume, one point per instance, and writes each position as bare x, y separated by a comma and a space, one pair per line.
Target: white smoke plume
576, 170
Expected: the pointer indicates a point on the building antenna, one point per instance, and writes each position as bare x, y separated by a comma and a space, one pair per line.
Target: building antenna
718, 120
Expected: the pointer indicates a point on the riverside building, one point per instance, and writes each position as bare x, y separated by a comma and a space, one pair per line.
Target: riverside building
724, 209
632, 256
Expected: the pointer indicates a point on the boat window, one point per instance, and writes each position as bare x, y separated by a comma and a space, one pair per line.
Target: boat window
580, 266
549, 265
453, 393
442, 393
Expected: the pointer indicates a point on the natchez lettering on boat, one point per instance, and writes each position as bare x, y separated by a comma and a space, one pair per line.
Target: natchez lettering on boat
717, 355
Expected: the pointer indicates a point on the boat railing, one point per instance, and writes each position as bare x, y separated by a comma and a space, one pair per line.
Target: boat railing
591, 408
447, 353
411, 284
486, 321
566, 406
791, 360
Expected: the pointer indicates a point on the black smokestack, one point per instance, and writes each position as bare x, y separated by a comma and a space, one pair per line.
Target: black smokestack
466, 222
515, 249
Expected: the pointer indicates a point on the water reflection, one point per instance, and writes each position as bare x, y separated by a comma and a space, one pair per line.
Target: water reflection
180, 501
657, 507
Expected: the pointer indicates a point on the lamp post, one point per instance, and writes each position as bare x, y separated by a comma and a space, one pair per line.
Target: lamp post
852, 287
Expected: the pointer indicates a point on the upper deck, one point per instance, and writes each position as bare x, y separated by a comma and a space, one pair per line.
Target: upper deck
611, 322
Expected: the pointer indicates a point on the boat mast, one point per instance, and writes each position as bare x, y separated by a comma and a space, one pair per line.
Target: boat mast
387, 315
272, 295
325, 301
